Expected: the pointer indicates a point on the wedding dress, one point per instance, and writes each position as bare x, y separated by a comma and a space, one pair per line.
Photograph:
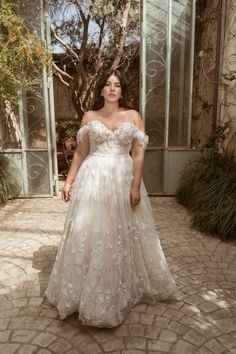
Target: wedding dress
110, 257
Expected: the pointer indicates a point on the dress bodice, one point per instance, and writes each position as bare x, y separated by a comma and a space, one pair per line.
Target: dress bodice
116, 142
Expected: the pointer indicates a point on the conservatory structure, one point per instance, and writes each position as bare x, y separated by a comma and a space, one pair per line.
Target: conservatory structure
166, 72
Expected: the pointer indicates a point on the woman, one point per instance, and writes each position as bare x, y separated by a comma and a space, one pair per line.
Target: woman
110, 257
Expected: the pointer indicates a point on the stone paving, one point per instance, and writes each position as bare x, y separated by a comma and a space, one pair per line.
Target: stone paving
203, 322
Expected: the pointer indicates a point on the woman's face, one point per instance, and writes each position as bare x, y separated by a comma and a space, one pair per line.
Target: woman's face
112, 89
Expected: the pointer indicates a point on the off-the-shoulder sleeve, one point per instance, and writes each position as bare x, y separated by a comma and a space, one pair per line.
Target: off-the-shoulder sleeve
142, 138
81, 133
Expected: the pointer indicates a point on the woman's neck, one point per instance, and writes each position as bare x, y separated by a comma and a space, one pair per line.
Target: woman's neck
110, 108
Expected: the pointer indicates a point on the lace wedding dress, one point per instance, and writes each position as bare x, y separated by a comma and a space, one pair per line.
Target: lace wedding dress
110, 256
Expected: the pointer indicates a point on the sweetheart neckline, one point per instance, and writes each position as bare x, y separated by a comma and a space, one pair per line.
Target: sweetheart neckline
136, 132
110, 130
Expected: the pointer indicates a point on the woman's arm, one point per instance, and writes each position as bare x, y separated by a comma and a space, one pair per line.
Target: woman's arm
80, 154
137, 154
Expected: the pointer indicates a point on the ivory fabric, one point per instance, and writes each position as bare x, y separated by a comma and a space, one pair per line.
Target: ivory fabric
110, 257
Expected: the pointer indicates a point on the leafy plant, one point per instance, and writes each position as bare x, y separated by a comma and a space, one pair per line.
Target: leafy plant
207, 188
70, 127
218, 136
10, 179
21, 55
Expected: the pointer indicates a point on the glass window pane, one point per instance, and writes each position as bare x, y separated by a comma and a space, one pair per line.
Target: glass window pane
10, 133
38, 173
34, 121
156, 50
16, 162
31, 11
180, 73
153, 171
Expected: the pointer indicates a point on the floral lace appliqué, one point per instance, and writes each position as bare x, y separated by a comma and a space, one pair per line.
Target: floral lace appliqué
123, 135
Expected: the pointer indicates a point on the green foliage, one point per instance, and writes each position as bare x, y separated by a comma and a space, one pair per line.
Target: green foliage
21, 55
217, 137
70, 127
207, 189
10, 180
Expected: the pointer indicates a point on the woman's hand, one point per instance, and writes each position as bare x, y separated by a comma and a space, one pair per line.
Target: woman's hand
134, 196
65, 193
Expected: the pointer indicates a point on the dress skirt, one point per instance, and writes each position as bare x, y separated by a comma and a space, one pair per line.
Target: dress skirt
110, 257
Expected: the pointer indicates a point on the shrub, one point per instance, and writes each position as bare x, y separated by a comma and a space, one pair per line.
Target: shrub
10, 179
207, 189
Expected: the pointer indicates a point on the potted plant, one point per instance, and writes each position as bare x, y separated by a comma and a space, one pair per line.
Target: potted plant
69, 128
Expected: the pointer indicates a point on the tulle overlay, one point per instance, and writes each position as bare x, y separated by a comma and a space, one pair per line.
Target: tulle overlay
110, 256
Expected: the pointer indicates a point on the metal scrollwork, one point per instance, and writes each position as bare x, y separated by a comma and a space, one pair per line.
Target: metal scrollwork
34, 121
38, 172
156, 67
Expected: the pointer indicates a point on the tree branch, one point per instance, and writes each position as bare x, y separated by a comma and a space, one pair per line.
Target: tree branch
62, 72
101, 34
121, 40
66, 46
77, 4
84, 41
62, 80
93, 82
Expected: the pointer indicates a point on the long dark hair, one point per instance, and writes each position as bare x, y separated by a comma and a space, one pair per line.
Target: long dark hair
99, 100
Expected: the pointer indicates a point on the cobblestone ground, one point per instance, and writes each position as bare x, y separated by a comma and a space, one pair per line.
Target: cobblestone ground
203, 322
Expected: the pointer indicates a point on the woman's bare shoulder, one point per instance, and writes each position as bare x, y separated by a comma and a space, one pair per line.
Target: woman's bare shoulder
88, 116
135, 118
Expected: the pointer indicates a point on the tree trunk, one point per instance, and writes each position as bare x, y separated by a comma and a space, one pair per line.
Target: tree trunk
117, 59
